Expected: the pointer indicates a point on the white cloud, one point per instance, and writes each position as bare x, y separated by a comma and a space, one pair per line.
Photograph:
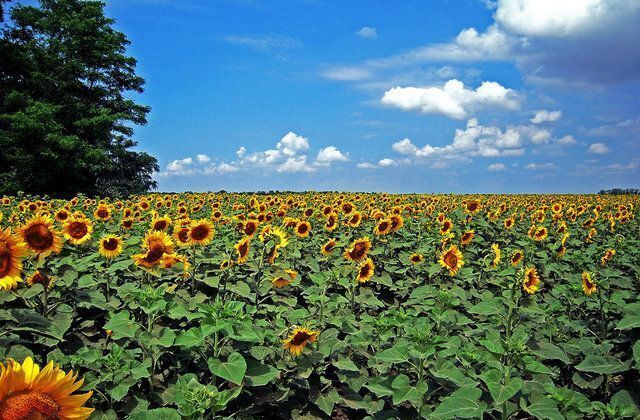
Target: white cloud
179, 165
386, 162
549, 18
598, 149
292, 143
347, 74
474, 140
263, 42
224, 168
626, 126
295, 164
241, 151
546, 116
496, 167
202, 158
367, 32
366, 165
567, 140
330, 154
539, 166
453, 99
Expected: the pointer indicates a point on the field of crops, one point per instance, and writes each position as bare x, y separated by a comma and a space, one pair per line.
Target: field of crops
337, 305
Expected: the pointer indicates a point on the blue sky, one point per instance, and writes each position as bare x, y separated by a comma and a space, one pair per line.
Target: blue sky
399, 96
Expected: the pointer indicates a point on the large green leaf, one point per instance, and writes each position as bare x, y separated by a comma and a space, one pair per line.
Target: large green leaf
501, 392
233, 370
463, 403
605, 365
404, 391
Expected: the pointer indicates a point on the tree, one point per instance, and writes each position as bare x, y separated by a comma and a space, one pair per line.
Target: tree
66, 113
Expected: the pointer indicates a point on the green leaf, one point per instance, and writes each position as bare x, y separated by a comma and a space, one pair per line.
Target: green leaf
396, 354
259, 374
629, 322
463, 403
121, 325
404, 391
346, 364
544, 408
233, 370
157, 414
605, 365
501, 392
327, 401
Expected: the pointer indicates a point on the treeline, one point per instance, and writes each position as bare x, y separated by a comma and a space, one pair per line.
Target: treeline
620, 191
66, 106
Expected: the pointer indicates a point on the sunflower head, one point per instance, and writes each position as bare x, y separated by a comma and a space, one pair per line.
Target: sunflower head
11, 253
416, 258
201, 232
26, 392
329, 246
40, 278
383, 227
110, 246
302, 229
517, 257
365, 271
467, 237
298, 339
40, 237
451, 259
588, 284
242, 248
497, 255
156, 245
77, 229
358, 249
531, 281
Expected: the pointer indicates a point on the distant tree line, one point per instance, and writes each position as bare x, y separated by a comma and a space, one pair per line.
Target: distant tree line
620, 191
66, 107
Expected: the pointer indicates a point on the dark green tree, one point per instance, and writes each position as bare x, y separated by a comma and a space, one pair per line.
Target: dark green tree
66, 113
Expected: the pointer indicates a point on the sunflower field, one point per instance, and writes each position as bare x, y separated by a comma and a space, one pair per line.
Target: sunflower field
320, 305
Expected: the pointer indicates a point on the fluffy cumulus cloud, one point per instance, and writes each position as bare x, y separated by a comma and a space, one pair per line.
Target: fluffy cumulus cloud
496, 167
474, 140
289, 155
367, 32
598, 149
453, 99
544, 116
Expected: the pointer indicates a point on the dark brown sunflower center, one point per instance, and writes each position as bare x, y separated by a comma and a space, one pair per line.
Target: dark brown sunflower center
329, 246
39, 237
451, 259
243, 249
102, 213
110, 244
365, 270
156, 250
29, 405
160, 225
383, 226
5, 259
62, 215
250, 229
199, 232
415, 258
358, 251
302, 228
77, 230
300, 338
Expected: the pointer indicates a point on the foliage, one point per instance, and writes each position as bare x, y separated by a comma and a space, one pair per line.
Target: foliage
65, 104
203, 339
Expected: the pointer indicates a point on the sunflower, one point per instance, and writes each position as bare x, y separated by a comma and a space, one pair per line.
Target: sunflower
302, 229
43, 279
531, 281
472, 206
331, 222
62, 215
396, 222
242, 248
11, 253
608, 256
161, 223
446, 226
416, 258
110, 246
77, 230
201, 232
26, 392
298, 339
103, 212
156, 245
497, 255
40, 237
127, 223
517, 257
355, 218
365, 270
226, 264
467, 237
509, 222
451, 259
328, 247
358, 250
250, 227
588, 285
383, 227
287, 279
540, 234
